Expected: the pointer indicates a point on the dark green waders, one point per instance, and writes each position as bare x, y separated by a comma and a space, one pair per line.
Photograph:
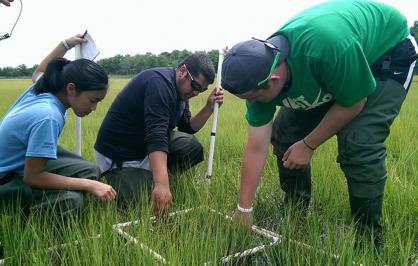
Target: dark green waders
63, 202
361, 150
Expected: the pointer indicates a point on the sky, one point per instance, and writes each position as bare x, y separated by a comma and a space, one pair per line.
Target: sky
141, 26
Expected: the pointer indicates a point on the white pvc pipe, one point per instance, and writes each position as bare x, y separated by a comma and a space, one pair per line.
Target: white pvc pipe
78, 119
135, 241
75, 243
215, 117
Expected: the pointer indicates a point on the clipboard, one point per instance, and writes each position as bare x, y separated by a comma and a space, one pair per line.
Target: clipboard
89, 48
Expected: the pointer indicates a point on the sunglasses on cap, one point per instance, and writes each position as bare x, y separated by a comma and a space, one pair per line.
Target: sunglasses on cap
275, 61
195, 85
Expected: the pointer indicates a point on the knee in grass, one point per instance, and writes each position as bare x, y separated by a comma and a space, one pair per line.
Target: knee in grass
71, 202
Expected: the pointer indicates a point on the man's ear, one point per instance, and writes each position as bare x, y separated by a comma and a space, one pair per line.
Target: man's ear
182, 70
276, 75
70, 89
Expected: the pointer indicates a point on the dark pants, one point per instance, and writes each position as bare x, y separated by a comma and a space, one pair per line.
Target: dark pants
361, 150
63, 202
185, 151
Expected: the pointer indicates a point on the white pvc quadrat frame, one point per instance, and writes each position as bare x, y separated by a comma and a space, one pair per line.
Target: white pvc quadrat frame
275, 239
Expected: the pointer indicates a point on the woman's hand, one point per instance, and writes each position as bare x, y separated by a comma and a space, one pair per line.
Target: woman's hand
102, 191
74, 40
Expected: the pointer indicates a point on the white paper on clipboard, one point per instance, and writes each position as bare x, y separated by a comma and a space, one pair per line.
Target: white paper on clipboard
89, 49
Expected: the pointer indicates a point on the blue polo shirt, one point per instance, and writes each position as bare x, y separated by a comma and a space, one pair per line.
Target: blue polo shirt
30, 128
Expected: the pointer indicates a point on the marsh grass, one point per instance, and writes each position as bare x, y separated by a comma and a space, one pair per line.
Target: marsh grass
198, 237
184, 237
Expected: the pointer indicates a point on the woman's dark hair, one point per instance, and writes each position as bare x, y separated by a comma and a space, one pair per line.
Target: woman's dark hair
199, 63
84, 73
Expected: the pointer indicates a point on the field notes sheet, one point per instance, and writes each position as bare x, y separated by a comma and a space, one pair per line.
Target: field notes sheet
89, 49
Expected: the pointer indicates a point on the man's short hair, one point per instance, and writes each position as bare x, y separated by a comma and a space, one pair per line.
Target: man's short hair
199, 63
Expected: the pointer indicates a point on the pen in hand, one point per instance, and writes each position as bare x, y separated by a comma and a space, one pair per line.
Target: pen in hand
84, 34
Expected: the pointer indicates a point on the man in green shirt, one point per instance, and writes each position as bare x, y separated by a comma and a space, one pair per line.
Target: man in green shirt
341, 68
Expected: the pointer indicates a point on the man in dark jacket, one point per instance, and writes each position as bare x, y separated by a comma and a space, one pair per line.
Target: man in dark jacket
136, 143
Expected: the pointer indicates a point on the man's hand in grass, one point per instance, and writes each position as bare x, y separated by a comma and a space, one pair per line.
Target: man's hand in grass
244, 218
161, 199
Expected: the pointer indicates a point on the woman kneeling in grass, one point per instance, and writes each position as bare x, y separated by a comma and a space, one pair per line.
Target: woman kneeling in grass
33, 169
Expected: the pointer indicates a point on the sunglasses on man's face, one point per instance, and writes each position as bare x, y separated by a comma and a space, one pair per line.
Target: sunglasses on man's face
195, 85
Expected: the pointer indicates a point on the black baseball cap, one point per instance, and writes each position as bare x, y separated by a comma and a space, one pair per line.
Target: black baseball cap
249, 64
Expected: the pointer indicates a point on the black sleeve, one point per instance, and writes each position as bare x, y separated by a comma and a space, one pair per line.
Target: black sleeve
158, 103
184, 124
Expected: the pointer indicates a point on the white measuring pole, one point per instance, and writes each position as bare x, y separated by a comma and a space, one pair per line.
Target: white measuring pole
78, 119
215, 117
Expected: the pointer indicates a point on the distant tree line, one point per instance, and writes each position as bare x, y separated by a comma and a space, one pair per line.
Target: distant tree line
19, 71
133, 64
122, 64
